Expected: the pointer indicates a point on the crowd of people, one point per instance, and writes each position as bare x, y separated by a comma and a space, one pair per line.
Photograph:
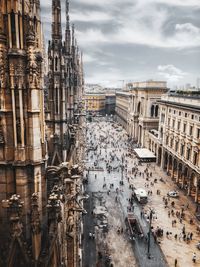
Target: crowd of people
109, 150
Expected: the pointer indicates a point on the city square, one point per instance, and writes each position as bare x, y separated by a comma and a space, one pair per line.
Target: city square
116, 143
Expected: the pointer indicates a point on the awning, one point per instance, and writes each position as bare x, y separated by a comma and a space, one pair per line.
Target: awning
145, 155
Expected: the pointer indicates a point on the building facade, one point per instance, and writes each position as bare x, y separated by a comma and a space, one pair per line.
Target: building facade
22, 127
144, 109
95, 102
110, 103
177, 142
41, 194
122, 110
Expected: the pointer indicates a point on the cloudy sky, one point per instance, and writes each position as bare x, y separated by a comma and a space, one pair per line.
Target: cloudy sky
135, 40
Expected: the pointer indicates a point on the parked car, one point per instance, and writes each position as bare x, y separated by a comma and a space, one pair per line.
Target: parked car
173, 194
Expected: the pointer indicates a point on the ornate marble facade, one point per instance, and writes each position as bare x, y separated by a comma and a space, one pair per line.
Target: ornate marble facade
177, 141
41, 204
22, 149
65, 87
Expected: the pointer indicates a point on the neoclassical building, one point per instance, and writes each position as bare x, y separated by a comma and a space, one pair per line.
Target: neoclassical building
122, 109
143, 112
95, 102
177, 142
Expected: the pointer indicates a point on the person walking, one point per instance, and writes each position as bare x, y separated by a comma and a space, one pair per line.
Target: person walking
175, 262
194, 257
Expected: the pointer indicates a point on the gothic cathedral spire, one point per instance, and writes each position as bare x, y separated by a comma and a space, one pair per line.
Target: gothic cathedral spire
67, 30
56, 24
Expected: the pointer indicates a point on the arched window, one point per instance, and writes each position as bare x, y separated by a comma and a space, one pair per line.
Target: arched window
56, 100
188, 153
195, 158
152, 111
161, 133
182, 149
171, 142
156, 111
13, 28
176, 146
139, 108
56, 63
167, 140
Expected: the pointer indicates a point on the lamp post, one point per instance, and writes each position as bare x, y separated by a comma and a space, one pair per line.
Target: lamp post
149, 234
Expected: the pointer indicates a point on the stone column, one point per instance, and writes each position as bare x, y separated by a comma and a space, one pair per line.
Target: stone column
197, 190
182, 179
178, 173
172, 173
168, 165
189, 185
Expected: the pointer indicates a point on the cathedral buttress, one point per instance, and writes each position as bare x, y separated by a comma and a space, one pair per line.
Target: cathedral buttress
22, 155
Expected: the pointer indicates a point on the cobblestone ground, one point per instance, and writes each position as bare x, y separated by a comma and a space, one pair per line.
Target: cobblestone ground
123, 255
172, 248
110, 140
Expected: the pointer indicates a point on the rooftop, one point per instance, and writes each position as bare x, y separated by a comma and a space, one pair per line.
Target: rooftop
186, 94
182, 99
148, 85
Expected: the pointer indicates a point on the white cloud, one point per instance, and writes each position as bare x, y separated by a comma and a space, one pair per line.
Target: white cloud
171, 73
87, 58
143, 24
91, 16
187, 27
186, 3
112, 77
90, 37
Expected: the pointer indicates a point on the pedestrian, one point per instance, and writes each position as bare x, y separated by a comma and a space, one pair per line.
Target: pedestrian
167, 234
191, 235
175, 262
141, 214
194, 257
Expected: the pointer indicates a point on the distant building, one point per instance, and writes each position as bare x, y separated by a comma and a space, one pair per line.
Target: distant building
92, 87
122, 110
95, 102
110, 103
137, 109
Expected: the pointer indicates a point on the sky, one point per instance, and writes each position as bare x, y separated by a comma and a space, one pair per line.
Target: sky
135, 40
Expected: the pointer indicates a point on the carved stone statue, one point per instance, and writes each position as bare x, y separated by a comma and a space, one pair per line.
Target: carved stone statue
35, 216
70, 222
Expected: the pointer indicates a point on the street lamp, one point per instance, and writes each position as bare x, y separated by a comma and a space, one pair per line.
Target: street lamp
149, 233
